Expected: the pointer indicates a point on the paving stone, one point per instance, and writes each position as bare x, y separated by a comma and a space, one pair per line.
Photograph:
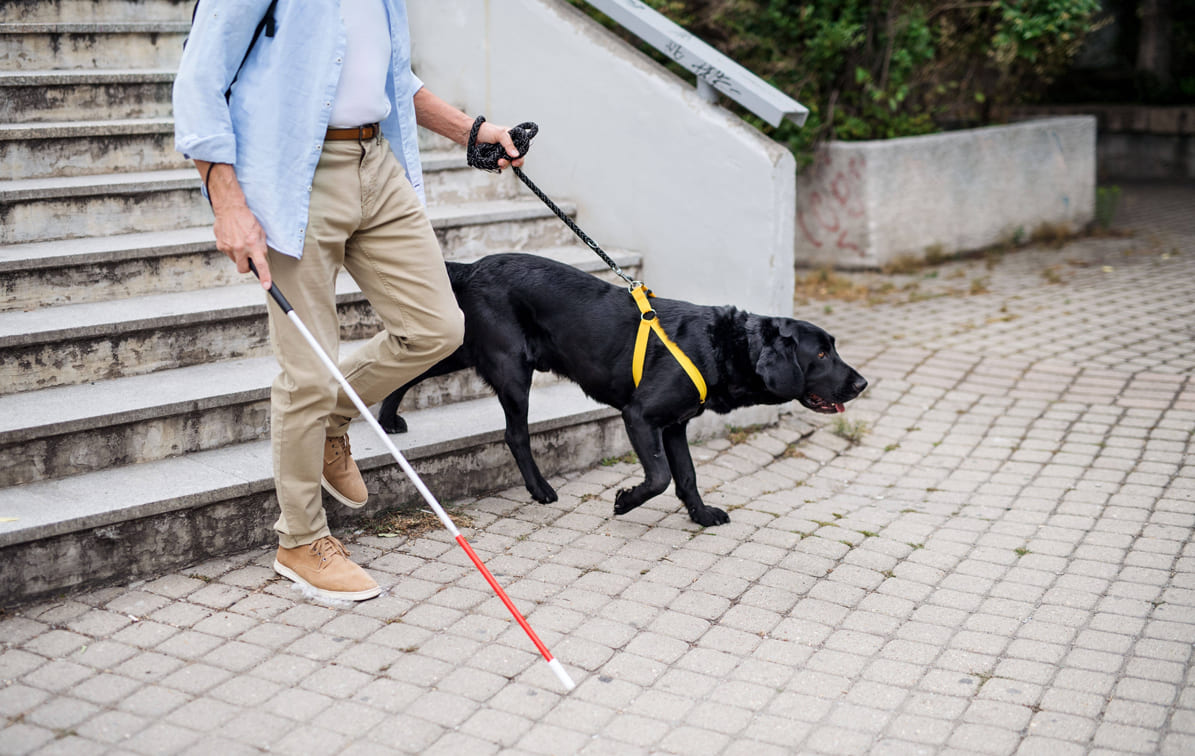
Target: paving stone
60, 713
110, 727
21, 737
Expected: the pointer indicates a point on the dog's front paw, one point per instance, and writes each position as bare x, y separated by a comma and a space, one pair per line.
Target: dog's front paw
623, 502
392, 423
707, 516
543, 493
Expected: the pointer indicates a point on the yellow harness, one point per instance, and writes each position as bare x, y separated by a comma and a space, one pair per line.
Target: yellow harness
648, 321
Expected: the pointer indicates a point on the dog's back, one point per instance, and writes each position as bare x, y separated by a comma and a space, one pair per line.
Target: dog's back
548, 315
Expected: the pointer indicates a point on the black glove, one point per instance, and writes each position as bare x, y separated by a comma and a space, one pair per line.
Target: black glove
486, 156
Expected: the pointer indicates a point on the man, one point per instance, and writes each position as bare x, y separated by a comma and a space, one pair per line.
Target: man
312, 164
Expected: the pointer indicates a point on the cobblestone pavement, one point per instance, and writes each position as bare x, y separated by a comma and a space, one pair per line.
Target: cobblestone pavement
990, 554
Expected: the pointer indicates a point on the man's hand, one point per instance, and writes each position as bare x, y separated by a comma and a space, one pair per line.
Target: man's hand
491, 133
241, 238
238, 234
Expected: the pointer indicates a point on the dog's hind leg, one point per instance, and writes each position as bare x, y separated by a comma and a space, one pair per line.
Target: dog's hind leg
388, 416
647, 443
676, 446
513, 392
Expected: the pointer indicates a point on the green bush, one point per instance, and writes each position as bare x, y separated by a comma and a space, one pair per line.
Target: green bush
869, 69
1106, 200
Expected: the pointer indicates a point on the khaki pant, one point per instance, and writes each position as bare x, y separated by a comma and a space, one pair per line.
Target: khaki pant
366, 218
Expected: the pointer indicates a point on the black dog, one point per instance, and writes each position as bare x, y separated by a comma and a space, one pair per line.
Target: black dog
525, 313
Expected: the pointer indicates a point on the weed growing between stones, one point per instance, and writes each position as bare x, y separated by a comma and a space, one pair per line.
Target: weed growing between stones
853, 432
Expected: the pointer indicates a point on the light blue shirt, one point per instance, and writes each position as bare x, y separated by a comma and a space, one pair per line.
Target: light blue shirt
272, 128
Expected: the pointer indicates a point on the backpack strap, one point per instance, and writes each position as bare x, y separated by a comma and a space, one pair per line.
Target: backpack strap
268, 24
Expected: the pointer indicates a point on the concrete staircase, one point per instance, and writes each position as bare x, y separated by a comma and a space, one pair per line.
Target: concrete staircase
134, 360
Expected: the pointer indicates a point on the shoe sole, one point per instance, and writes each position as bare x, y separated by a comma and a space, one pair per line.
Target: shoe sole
339, 496
290, 574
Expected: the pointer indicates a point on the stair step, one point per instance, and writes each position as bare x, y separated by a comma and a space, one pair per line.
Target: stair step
69, 430
77, 148
48, 96
58, 11
143, 519
448, 179
65, 148
469, 230
92, 341
43, 209
90, 269
41, 45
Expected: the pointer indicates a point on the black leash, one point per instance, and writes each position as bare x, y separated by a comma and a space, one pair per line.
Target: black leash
486, 157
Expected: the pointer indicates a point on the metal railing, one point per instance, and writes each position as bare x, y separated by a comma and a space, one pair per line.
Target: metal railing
716, 73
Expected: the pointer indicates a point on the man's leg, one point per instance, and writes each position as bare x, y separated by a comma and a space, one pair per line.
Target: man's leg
396, 260
305, 393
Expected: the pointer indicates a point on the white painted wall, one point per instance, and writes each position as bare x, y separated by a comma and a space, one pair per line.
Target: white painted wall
705, 198
864, 204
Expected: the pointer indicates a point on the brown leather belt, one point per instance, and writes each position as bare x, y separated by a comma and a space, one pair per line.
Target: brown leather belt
360, 133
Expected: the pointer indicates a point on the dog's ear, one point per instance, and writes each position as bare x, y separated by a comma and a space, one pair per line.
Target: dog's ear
777, 363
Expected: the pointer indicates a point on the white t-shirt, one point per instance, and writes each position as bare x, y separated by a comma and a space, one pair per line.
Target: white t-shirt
361, 93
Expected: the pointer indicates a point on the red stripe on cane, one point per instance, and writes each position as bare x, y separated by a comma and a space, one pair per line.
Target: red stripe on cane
489, 578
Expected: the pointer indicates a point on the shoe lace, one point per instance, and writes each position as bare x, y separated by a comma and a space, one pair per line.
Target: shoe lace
339, 445
327, 549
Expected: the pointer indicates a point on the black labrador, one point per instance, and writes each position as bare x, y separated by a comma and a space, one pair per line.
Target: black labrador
525, 313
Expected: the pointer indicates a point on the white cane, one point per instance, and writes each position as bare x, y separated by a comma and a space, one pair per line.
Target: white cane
553, 663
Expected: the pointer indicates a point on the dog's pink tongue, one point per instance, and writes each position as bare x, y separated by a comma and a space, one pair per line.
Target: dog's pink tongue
839, 408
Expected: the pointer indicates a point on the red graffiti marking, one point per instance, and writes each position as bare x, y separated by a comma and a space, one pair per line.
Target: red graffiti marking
838, 195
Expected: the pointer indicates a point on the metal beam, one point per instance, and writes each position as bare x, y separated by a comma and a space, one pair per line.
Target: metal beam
710, 66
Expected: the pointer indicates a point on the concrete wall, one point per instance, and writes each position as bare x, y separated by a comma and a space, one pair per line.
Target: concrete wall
865, 204
652, 167
1146, 157
1133, 142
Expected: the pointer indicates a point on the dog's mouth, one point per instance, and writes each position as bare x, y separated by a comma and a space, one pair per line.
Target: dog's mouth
817, 404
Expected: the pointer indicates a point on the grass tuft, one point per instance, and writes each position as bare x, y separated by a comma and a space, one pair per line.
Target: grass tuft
853, 432
411, 523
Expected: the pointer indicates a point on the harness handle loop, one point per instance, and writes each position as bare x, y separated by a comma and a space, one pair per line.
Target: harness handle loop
486, 156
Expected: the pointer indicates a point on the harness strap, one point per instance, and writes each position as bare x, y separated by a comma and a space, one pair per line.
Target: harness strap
648, 321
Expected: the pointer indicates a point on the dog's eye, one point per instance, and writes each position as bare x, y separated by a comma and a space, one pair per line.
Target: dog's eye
821, 355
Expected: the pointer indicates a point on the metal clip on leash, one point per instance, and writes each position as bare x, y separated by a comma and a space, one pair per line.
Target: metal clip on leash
486, 157
445, 520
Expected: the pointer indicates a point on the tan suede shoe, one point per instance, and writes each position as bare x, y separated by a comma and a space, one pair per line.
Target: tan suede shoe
325, 567
341, 478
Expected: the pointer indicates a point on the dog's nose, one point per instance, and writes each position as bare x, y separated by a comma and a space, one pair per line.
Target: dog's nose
859, 384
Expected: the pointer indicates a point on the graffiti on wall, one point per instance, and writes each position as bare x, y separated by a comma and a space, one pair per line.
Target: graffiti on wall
830, 203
